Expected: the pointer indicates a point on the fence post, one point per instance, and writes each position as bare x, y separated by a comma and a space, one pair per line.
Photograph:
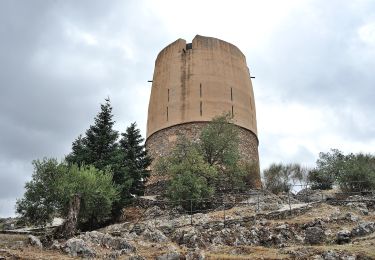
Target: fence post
191, 211
224, 214
290, 207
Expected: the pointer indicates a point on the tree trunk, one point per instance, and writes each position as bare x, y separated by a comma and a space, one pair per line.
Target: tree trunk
69, 227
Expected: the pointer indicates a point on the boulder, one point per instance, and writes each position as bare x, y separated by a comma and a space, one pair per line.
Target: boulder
169, 256
330, 255
154, 235
34, 241
309, 195
108, 241
78, 247
363, 229
55, 245
351, 217
314, 235
195, 255
117, 243
153, 212
343, 236
136, 257
360, 206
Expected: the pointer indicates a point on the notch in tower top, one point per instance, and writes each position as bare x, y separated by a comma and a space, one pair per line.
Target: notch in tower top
189, 46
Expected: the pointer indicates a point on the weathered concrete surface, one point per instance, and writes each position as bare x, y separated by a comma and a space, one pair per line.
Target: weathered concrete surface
193, 83
213, 72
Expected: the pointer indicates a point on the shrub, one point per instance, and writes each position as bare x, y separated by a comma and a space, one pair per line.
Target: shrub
211, 164
358, 173
280, 178
191, 177
53, 185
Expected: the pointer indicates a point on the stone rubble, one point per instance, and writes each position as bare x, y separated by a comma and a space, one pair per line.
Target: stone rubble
34, 241
363, 229
175, 237
343, 237
314, 235
78, 247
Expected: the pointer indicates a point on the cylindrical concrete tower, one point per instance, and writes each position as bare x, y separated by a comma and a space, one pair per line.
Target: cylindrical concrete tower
193, 83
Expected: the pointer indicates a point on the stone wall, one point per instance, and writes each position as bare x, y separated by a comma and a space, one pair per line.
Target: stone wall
162, 142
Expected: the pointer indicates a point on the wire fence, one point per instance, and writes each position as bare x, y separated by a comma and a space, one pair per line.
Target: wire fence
255, 204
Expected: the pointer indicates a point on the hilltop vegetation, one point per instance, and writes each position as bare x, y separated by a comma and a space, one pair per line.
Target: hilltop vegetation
97, 179
200, 169
351, 173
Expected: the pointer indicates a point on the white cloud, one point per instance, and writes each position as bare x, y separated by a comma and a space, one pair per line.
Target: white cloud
78, 35
247, 23
367, 33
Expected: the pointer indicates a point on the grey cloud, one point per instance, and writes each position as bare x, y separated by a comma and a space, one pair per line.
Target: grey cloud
51, 81
317, 58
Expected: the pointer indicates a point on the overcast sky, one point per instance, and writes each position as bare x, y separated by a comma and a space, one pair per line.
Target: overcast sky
314, 63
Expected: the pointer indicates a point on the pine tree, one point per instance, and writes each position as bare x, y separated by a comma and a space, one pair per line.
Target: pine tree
135, 159
99, 145
79, 152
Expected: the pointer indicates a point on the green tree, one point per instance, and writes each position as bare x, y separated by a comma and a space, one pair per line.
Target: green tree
41, 198
127, 158
281, 178
131, 168
99, 145
328, 167
219, 141
208, 165
79, 154
190, 175
135, 158
96, 191
53, 185
357, 173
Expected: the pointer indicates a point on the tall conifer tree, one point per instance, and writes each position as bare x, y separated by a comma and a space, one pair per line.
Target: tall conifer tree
135, 159
99, 145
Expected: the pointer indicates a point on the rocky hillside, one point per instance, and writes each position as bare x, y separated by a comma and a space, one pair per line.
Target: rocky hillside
266, 227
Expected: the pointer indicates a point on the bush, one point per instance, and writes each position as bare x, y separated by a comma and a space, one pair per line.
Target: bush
280, 178
352, 172
328, 167
41, 198
199, 170
358, 173
53, 185
96, 191
275, 179
191, 177
320, 181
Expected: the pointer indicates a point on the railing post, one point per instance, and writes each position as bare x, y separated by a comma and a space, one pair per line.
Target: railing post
290, 207
191, 211
224, 214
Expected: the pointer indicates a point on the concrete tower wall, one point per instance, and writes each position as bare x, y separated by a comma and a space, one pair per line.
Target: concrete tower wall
198, 83
193, 83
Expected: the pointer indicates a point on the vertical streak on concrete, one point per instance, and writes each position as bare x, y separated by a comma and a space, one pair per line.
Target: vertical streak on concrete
183, 84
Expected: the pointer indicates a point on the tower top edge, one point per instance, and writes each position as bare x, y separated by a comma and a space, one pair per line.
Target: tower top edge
198, 42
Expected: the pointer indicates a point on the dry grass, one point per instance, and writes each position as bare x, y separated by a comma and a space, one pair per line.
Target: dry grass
152, 250
8, 240
10, 249
247, 252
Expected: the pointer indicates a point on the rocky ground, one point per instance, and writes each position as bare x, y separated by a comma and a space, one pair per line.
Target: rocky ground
265, 227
